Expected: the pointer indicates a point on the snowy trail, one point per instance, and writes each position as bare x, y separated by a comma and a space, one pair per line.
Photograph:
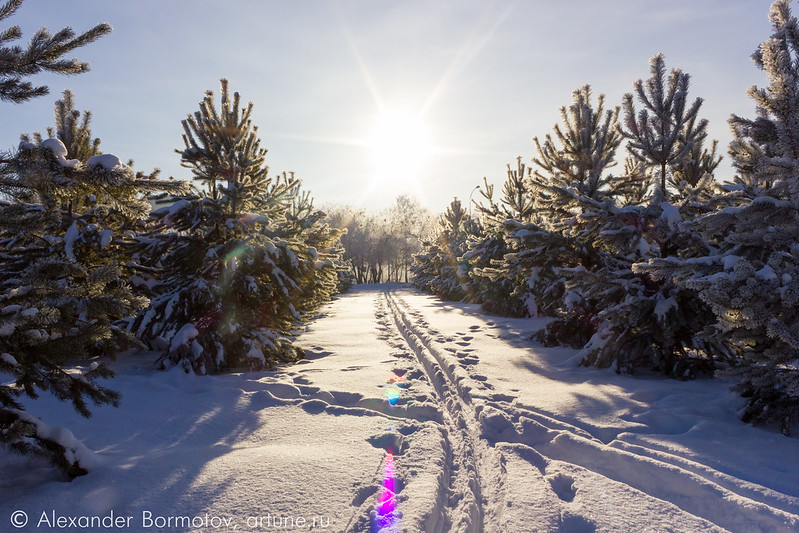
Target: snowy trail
567, 455
468, 457
411, 414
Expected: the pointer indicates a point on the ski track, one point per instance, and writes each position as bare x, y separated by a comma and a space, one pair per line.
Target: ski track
468, 457
482, 429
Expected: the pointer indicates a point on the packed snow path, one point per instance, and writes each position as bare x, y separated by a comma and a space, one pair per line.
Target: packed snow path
411, 414
519, 467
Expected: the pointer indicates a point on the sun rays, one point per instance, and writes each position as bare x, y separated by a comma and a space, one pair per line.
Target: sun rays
400, 142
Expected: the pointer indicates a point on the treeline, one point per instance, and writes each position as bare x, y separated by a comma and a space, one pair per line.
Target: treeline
219, 276
379, 247
657, 265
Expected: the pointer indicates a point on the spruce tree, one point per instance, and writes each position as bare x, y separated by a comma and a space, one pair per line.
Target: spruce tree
578, 156
234, 267
750, 275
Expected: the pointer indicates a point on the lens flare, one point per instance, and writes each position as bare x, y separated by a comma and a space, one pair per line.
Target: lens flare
392, 395
385, 515
393, 389
235, 253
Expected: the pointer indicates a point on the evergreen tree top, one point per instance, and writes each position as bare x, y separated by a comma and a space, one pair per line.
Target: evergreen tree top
666, 129
44, 53
583, 148
223, 145
765, 150
454, 218
72, 128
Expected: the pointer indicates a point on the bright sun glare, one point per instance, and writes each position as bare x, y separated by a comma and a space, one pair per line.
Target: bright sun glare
400, 143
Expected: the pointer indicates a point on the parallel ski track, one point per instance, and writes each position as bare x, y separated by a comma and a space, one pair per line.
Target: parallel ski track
655, 472
469, 457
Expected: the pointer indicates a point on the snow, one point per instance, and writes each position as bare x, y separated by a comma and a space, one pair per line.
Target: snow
105, 161
185, 335
8, 359
766, 273
413, 414
571, 299
105, 237
70, 237
55, 146
59, 151
663, 306
172, 210
75, 450
729, 262
671, 215
255, 352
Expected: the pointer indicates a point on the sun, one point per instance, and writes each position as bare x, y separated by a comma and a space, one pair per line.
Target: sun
400, 144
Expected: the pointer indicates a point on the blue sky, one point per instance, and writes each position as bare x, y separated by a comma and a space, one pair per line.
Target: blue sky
485, 76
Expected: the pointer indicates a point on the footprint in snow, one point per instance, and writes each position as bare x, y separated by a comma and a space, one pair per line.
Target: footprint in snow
502, 398
414, 374
316, 352
390, 442
563, 485
408, 429
363, 494
570, 523
314, 407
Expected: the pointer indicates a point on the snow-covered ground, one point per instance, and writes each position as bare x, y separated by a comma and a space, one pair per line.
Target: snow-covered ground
411, 414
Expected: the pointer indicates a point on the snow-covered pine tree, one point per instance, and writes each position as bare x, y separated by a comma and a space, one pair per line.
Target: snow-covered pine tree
664, 132
491, 285
308, 227
637, 320
64, 291
577, 157
439, 268
538, 205
570, 170
750, 277
233, 268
